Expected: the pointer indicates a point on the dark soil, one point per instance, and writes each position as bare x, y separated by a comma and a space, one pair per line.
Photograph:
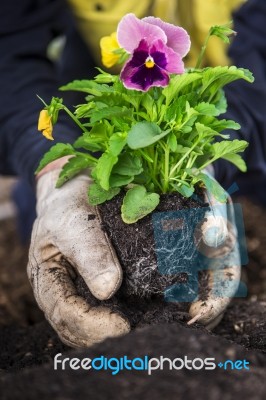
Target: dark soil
167, 340
28, 344
136, 248
245, 323
141, 296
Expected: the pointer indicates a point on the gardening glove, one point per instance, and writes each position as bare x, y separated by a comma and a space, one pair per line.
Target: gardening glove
219, 244
67, 236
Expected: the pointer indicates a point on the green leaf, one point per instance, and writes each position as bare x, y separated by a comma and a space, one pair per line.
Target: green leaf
95, 140
198, 150
220, 102
172, 142
207, 109
215, 78
184, 190
178, 83
221, 125
97, 195
55, 152
105, 77
143, 134
138, 203
182, 149
87, 86
147, 102
186, 129
117, 142
101, 129
213, 187
117, 180
142, 178
226, 147
175, 111
109, 112
128, 164
223, 32
204, 131
89, 143
237, 160
133, 98
74, 166
84, 110
104, 168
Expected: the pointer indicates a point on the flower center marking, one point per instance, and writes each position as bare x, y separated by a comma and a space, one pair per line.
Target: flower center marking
149, 62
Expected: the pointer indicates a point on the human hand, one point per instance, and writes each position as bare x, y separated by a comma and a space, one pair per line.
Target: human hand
68, 228
219, 244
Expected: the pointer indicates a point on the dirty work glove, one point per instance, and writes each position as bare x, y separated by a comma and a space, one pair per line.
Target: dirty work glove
68, 228
219, 244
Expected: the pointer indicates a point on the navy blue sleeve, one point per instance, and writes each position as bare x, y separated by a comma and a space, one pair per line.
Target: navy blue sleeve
26, 29
247, 102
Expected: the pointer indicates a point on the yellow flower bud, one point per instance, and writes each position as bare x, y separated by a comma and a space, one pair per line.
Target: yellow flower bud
45, 124
108, 45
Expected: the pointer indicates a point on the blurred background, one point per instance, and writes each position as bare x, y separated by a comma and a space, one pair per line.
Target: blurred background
17, 304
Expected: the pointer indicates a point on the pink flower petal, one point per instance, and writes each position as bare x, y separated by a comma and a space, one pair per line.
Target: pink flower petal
131, 31
175, 64
177, 38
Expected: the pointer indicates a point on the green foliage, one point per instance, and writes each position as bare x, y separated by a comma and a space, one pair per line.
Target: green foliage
55, 152
180, 84
73, 167
223, 32
97, 195
155, 142
128, 164
87, 86
104, 168
138, 203
143, 134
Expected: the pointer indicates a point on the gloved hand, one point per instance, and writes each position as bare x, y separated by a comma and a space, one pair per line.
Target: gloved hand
67, 227
219, 244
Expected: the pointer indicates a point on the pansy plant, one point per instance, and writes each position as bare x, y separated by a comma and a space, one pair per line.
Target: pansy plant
155, 125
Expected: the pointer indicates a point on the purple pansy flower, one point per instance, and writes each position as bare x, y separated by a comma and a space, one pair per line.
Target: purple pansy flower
157, 49
150, 65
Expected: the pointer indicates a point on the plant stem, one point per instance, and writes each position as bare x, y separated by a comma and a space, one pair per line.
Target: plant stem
203, 49
166, 169
156, 183
207, 163
183, 158
75, 119
146, 156
190, 163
